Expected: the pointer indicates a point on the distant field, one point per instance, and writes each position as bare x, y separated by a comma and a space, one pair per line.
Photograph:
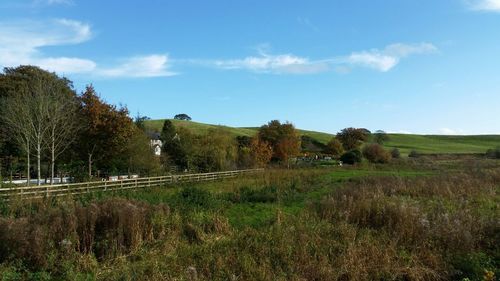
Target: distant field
443, 144
405, 142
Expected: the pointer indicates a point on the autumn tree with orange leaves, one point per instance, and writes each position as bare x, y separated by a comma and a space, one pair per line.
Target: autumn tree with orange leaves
283, 139
107, 131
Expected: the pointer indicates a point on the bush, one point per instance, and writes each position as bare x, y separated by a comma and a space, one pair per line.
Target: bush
414, 154
334, 147
192, 197
395, 153
493, 153
375, 153
352, 157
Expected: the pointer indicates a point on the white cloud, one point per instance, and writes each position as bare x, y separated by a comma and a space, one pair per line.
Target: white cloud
141, 66
386, 59
22, 42
373, 60
485, 5
381, 60
286, 63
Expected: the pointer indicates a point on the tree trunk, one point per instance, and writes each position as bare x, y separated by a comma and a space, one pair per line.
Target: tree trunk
90, 165
28, 176
38, 164
52, 162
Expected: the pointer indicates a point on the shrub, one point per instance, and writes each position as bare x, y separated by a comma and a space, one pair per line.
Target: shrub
334, 147
414, 154
195, 197
395, 153
352, 157
375, 153
493, 153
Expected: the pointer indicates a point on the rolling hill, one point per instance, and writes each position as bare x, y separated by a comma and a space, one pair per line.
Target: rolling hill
404, 142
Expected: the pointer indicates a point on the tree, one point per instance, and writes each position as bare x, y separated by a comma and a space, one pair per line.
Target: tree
47, 106
63, 123
352, 138
261, 152
172, 145
139, 155
140, 122
334, 147
380, 137
283, 138
106, 133
182, 116
31, 94
15, 113
375, 153
215, 151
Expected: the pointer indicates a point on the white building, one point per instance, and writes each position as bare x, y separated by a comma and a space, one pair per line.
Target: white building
155, 143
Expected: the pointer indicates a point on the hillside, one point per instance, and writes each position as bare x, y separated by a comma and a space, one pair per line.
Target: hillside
200, 128
404, 142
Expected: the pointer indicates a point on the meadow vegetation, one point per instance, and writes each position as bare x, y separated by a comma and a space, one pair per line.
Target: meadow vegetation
417, 219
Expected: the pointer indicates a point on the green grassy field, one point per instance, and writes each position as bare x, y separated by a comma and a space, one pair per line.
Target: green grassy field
404, 142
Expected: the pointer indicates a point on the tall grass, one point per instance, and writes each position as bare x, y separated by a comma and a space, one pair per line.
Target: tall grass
351, 224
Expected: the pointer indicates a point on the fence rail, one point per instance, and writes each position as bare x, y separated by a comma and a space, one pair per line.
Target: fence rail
32, 192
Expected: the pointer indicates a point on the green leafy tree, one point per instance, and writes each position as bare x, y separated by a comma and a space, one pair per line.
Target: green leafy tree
215, 151
139, 156
352, 138
172, 145
182, 116
140, 122
380, 137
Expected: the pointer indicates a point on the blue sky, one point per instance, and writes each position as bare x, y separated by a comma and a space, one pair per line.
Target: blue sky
421, 66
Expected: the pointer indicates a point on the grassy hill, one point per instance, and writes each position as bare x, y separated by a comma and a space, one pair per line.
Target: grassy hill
443, 144
404, 142
201, 128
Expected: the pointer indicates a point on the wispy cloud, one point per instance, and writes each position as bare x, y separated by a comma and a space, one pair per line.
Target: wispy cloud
484, 5
21, 43
286, 63
141, 66
266, 62
386, 59
380, 60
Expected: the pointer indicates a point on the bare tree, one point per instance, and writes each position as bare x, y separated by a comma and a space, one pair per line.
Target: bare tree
26, 113
16, 115
39, 104
62, 123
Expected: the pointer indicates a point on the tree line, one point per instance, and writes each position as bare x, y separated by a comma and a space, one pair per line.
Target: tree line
80, 135
48, 130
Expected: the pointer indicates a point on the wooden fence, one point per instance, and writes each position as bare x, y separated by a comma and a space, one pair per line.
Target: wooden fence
43, 191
